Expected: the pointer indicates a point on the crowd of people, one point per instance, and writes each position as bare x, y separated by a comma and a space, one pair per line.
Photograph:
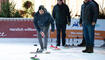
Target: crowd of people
61, 16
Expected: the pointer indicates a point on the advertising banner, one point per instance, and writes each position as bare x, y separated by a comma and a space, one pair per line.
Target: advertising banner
24, 28
17, 28
75, 31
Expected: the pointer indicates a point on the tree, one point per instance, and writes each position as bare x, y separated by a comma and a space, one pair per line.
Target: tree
8, 10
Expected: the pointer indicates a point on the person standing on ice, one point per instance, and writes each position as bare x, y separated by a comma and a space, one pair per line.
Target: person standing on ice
88, 19
61, 15
42, 21
83, 41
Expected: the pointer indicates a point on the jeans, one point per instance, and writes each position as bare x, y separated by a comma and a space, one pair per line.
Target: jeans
43, 44
88, 31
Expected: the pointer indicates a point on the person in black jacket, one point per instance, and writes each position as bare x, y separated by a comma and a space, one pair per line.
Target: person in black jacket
61, 15
42, 21
88, 19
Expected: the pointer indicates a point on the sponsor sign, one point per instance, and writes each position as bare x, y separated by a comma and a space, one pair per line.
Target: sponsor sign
75, 31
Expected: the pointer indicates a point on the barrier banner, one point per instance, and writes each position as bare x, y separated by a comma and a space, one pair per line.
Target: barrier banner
24, 28
75, 31
17, 28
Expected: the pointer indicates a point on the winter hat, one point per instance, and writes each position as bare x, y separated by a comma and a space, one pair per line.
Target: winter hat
41, 7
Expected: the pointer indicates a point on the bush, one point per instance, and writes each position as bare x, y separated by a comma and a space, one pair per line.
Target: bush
8, 10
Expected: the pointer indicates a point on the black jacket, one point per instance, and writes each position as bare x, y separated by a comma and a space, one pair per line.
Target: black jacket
89, 13
43, 21
61, 14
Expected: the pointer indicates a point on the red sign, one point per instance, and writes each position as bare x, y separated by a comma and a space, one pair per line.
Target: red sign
17, 28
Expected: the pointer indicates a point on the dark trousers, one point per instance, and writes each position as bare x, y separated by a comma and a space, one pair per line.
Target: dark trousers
61, 28
88, 31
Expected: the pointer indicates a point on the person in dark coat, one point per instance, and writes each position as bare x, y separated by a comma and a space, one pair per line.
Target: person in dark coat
83, 41
42, 21
61, 15
88, 19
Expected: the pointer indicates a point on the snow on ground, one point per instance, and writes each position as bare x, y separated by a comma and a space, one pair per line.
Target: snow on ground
20, 48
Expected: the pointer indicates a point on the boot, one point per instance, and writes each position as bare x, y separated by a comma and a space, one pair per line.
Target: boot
58, 45
88, 50
39, 50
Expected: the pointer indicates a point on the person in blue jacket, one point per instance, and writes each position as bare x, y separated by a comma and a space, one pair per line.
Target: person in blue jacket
88, 19
83, 41
42, 21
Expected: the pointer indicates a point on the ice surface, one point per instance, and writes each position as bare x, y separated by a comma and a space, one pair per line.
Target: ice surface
19, 49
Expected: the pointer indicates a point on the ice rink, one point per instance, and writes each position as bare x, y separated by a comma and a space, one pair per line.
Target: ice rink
20, 48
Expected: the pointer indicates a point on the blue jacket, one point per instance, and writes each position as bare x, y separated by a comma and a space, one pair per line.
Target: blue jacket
89, 13
43, 21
